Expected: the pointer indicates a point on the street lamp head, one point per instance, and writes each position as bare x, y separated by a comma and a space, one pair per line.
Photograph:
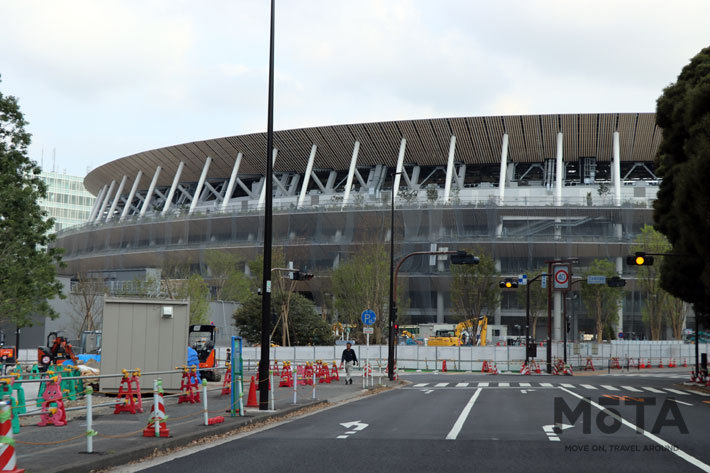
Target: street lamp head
461, 257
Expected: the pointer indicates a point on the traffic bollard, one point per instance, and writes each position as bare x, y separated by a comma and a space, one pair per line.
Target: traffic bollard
314, 385
204, 400
156, 406
241, 401
271, 391
89, 420
295, 380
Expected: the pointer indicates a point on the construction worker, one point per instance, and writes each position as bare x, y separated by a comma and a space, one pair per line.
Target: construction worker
350, 359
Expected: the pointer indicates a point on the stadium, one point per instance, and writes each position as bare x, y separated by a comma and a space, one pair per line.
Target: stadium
524, 189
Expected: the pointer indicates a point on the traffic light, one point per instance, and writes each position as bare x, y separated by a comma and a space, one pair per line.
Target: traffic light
396, 329
569, 326
301, 276
508, 283
616, 281
639, 258
461, 257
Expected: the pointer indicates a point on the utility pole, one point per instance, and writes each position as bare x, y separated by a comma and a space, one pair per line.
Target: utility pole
266, 283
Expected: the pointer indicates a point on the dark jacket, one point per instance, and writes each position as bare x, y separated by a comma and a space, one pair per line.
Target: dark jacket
349, 355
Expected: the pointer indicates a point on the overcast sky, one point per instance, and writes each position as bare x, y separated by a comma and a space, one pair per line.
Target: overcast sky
99, 79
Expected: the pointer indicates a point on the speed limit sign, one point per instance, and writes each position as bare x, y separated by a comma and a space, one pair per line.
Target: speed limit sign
560, 276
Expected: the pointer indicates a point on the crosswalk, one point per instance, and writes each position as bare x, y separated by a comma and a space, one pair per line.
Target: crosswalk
590, 387
641, 374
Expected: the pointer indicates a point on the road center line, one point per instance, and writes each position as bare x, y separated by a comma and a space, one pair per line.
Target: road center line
462, 417
667, 445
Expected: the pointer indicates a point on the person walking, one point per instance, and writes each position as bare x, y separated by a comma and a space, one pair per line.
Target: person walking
349, 359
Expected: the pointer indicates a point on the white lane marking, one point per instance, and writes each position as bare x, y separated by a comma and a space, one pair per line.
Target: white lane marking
462, 417
609, 388
420, 385
666, 445
440, 385
342, 436
546, 385
503, 385
428, 391
350, 432
524, 385
631, 388
699, 393
680, 402
354, 425
588, 386
550, 431
568, 385
462, 385
676, 391
653, 390
483, 385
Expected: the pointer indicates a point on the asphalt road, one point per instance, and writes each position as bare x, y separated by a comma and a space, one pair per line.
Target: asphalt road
484, 423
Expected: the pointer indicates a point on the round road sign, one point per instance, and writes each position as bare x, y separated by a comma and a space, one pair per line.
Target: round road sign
368, 317
560, 276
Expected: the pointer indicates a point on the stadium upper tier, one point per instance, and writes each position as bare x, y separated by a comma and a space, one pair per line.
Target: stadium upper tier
534, 157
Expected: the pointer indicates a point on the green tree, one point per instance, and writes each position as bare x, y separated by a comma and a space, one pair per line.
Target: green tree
362, 282
602, 301
227, 278
474, 289
649, 280
27, 261
682, 206
306, 328
538, 300
195, 289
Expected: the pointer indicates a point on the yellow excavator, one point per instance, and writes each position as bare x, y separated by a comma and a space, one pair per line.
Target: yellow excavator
468, 332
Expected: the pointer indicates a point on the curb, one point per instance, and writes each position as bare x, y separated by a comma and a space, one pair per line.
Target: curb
100, 461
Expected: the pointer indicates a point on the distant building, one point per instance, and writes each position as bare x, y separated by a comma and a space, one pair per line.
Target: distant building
68, 202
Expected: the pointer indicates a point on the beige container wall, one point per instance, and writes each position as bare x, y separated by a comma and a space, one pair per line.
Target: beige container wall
136, 335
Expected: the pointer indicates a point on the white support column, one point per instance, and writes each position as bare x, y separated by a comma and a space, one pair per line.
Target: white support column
262, 194
307, 177
232, 181
620, 308
97, 203
100, 213
503, 169
398, 169
171, 193
351, 174
134, 188
559, 171
617, 171
557, 315
200, 183
109, 216
149, 194
450, 168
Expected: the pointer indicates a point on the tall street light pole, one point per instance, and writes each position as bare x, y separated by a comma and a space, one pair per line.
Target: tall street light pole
392, 308
266, 282
527, 316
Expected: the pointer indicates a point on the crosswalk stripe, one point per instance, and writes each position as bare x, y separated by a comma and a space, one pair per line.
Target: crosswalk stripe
440, 385
567, 385
631, 388
588, 386
653, 390
676, 391
546, 385
699, 393
609, 388
420, 385
483, 385
462, 385
524, 385
503, 385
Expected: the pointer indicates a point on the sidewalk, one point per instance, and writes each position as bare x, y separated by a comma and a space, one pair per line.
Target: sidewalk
120, 440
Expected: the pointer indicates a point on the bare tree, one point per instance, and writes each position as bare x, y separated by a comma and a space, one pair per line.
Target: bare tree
87, 293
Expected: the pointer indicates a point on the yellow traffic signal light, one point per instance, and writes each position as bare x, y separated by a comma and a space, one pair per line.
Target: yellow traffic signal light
640, 260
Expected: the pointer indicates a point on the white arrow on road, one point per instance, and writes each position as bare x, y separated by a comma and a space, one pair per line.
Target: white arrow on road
553, 430
355, 425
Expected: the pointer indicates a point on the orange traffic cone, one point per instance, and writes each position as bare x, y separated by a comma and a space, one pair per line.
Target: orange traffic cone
685, 363
8, 460
157, 416
252, 402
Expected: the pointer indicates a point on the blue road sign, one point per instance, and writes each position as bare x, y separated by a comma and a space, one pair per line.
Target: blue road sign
592, 279
368, 317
